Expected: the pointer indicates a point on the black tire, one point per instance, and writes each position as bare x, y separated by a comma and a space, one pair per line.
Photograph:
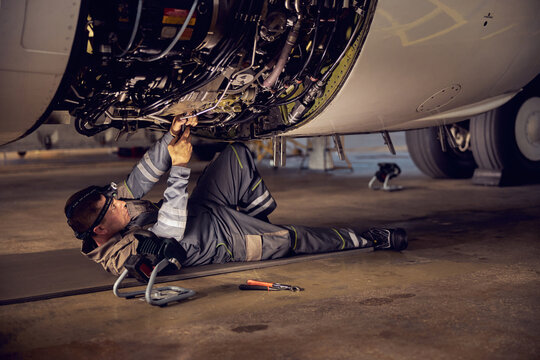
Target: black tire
494, 144
426, 152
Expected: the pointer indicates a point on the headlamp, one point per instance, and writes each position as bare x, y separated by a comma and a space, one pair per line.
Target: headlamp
110, 192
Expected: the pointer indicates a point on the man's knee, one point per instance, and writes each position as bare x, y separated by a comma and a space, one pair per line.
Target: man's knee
241, 152
241, 147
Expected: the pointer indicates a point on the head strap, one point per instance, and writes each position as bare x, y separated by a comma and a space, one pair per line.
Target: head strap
109, 192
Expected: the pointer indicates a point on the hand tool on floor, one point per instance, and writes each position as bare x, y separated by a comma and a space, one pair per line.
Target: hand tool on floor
261, 285
256, 287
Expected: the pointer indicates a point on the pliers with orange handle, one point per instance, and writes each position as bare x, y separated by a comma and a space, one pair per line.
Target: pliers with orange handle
261, 285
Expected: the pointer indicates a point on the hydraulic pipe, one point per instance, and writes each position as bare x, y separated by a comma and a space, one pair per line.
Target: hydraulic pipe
289, 44
134, 30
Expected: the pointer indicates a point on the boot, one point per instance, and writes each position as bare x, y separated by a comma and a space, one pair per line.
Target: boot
387, 239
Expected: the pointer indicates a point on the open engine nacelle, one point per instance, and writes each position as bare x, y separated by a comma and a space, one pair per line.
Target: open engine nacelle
248, 69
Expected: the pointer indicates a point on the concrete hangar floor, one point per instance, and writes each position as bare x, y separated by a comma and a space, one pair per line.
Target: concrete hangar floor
467, 287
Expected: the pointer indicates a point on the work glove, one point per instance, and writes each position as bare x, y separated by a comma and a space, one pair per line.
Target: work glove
150, 251
156, 248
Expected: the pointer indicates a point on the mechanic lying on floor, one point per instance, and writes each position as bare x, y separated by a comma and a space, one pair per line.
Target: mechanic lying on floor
225, 219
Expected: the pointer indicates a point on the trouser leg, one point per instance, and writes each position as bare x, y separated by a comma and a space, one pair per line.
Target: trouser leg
250, 239
232, 180
247, 238
311, 240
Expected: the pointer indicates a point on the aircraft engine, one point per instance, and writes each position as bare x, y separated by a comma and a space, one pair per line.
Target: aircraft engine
247, 68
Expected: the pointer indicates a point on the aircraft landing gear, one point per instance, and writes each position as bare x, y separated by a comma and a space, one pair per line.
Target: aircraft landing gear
506, 142
500, 147
442, 152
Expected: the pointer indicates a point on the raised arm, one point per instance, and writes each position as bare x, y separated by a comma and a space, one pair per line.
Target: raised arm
155, 162
172, 215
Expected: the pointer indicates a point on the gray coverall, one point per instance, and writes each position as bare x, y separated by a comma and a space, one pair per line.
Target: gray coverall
224, 219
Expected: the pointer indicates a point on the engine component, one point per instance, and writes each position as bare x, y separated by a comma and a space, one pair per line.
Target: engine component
236, 64
274, 26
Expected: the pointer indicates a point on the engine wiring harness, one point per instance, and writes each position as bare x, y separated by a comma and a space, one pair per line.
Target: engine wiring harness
247, 69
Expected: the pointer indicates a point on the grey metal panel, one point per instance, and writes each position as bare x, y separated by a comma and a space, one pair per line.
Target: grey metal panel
417, 48
37, 37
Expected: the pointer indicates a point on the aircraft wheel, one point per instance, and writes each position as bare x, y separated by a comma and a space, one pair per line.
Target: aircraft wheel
426, 152
508, 138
